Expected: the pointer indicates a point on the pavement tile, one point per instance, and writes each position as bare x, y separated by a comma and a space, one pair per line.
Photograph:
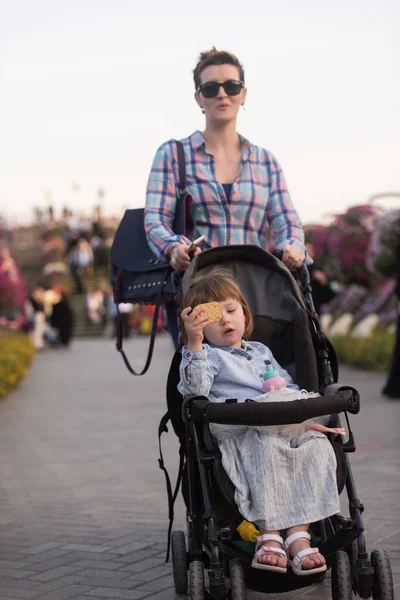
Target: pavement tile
131, 547
47, 564
87, 548
57, 573
16, 574
65, 593
110, 593
156, 585
39, 548
14, 592
151, 574
118, 575
143, 565
21, 584
108, 582
100, 564
58, 584
137, 556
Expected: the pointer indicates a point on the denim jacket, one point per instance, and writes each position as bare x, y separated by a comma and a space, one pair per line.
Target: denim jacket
224, 372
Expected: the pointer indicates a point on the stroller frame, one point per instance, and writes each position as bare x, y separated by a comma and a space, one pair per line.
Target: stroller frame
213, 548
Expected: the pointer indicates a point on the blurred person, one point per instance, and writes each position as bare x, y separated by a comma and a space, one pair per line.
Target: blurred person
98, 228
36, 309
100, 256
57, 311
67, 237
84, 255
109, 306
80, 260
38, 214
9, 266
71, 259
392, 387
322, 291
60, 314
6, 230
66, 213
50, 213
96, 311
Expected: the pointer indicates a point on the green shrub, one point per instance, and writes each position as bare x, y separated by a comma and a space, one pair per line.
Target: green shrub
373, 353
16, 354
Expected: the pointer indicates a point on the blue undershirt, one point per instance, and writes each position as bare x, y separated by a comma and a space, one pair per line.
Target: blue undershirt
227, 189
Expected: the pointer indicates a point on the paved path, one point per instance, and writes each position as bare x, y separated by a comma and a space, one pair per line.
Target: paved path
82, 501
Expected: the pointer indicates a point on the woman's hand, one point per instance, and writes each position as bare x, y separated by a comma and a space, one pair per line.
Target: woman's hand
194, 324
292, 256
179, 256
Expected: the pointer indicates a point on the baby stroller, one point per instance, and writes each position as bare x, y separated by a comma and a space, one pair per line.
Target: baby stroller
284, 320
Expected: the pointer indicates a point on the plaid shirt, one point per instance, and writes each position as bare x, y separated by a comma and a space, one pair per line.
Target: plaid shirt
259, 208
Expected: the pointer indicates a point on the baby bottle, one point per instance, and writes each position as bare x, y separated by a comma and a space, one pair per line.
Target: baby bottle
272, 379
248, 531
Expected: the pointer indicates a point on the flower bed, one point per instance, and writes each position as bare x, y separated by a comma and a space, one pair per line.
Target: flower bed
348, 238
373, 353
12, 284
16, 354
381, 252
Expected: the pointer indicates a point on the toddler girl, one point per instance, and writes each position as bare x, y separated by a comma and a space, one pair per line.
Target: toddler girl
280, 482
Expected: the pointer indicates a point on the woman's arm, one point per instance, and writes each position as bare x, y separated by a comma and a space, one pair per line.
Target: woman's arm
161, 202
197, 370
283, 220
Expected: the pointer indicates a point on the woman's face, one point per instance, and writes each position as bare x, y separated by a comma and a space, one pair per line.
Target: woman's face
229, 330
222, 108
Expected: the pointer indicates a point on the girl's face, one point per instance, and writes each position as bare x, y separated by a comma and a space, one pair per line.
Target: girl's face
229, 330
222, 107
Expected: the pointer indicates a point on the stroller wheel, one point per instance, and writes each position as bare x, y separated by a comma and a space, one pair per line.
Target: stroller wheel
342, 588
382, 588
238, 585
196, 580
179, 561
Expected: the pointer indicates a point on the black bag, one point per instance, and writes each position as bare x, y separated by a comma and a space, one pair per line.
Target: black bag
137, 275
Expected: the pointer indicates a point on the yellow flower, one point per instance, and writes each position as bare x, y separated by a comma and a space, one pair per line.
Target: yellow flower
12, 379
16, 354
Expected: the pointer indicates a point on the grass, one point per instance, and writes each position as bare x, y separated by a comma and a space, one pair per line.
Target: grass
373, 353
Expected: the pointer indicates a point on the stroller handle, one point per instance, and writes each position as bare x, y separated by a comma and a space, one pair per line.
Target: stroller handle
273, 413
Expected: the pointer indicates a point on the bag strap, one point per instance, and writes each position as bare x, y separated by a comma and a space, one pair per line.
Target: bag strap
182, 168
180, 210
120, 332
171, 495
179, 224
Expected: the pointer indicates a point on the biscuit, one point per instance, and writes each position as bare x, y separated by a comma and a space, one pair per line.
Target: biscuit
212, 309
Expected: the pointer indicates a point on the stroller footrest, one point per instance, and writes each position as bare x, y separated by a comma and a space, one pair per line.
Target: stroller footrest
339, 540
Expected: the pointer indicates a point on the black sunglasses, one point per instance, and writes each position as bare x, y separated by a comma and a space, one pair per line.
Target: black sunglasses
210, 89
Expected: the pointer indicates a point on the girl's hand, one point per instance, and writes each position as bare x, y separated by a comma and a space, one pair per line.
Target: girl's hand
194, 324
179, 256
323, 429
292, 256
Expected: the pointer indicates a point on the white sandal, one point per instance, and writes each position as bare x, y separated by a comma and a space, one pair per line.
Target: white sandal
261, 549
296, 562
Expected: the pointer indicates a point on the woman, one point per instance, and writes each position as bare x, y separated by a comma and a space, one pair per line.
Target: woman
238, 189
392, 387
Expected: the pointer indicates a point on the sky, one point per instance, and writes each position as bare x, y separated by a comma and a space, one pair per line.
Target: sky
89, 89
